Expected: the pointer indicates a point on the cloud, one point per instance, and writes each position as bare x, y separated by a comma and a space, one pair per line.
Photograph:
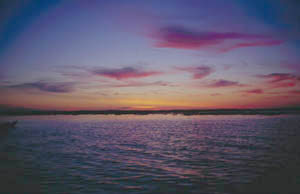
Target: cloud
284, 85
182, 38
55, 87
254, 91
224, 83
253, 44
215, 94
280, 80
278, 77
124, 73
297, 92
139, 84
198, 72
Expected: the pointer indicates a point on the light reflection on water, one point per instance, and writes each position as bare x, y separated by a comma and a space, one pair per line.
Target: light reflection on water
145, 154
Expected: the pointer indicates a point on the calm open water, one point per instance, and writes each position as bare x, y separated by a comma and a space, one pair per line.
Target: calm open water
151, 154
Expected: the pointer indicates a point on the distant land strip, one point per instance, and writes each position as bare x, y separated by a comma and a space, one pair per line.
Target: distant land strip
279, 111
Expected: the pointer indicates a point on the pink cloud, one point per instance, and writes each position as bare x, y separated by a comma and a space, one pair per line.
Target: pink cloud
278, 77
198, 72
253, 44
215, 94
284, 85
181, 38
124, 73
297, 92
140, 84
280, 80
254, 91
224, 83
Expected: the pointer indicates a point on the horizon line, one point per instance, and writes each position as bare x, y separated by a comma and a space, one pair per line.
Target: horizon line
220, 111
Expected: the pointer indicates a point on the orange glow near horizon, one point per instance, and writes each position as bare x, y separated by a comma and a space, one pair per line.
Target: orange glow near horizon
150, 102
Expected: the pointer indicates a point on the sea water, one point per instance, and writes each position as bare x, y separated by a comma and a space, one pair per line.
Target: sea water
151, 154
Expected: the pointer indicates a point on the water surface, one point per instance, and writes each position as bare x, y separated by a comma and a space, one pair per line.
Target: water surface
151, 154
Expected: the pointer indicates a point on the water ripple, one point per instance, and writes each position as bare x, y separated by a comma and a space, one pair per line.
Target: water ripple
148, 154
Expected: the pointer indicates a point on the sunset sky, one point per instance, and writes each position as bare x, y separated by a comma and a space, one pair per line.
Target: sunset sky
154, 54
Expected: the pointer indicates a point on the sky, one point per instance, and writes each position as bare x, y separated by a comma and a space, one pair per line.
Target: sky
171, 54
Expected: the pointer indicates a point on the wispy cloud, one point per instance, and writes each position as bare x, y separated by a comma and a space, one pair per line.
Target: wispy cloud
224, 83
253, 44
280, 80
182, 38
254, 91
54, 87
297, 92
278, 77
215, 94
284, 84
140, 84
124, 73
197, 72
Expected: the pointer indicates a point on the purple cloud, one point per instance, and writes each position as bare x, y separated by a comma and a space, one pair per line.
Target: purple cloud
140, 84
215, 94
284, 85
297, 92
278, 77
124, 73
224, 83
253, 44
254, 91
280, 80
181, 38
55, 87
198, 72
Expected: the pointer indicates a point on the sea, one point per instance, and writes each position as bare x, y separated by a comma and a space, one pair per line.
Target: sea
159, 153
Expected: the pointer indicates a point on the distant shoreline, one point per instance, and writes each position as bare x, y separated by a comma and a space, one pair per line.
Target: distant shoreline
279, 111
